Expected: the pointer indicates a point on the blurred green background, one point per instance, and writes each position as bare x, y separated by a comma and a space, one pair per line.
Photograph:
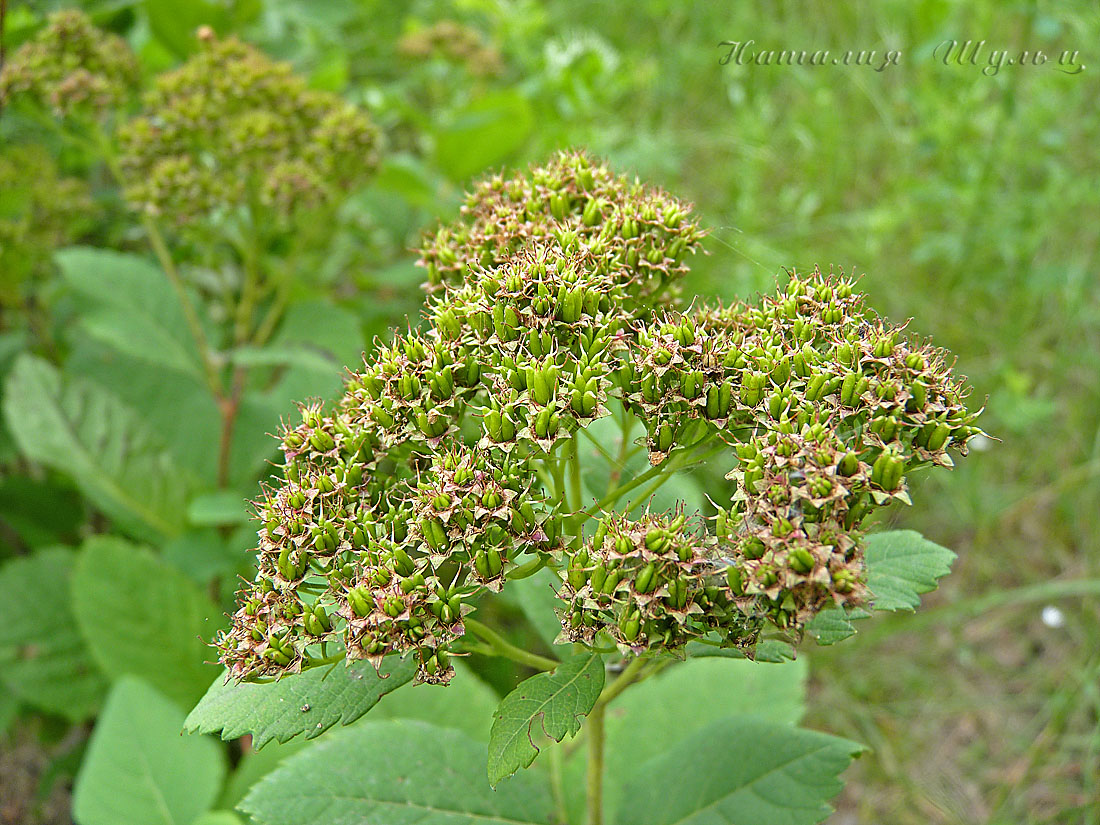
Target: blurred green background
967, 199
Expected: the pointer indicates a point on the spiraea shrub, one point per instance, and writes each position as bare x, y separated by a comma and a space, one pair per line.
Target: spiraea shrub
442, 471
450, 469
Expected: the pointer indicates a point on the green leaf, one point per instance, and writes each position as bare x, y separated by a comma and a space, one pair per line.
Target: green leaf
217, 509
394, 773
218, 818
556, 702
129, 304
736, 771
40, 512
144, 617
77, 428
484, 133
653, 716
174, 22
465, 704
834, 624
901, 565
43, 660
254, 766
295, 355
181, 411
139, 769
309, 703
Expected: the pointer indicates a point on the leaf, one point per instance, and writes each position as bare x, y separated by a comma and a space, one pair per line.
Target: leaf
485, 133
141, 616
203, 555
139, 769
736, 771
466, 704
557, 702
40, 513
834, 624
77, 428
309, 703
296, 355
254, 766
181, 411
218, 818
217, 509
388, 773
130, 305
654, 715
902, 564
43, 660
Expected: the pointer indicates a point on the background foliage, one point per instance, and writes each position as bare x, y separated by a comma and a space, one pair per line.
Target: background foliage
967, 199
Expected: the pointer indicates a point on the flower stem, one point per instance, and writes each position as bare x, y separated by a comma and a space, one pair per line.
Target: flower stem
502, 647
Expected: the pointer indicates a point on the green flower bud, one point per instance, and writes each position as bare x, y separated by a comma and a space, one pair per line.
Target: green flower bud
321, 441
647, 579
360, 601
800, 560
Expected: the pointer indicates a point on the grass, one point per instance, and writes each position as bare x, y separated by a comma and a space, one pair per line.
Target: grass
969, 203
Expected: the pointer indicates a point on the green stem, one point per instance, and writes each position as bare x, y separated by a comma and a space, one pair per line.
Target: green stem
160, 249
594, 786
164, 257
502, 647
625, 679
575, 490
670, 466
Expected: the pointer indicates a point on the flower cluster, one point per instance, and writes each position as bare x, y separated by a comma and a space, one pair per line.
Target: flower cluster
232, 128
455, 43
828, 408
39, 211
71, 67
652, 584
550, 302
645, 234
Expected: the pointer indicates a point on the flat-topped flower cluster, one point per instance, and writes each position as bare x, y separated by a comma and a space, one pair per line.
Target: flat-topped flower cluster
551, 302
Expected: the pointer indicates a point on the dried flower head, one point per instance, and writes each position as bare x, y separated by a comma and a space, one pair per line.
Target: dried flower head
232, 128
456, 43
39, 211
71, 67
550, 301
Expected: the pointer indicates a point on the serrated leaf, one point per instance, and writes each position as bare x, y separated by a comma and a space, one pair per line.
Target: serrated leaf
141, 616
740, 770
901, 565
130, 305
771, 651
834, 624
43, 660
138, 768
394, 773
654, 715
465, 704
80, 429
181, 411
554, 703
309, 703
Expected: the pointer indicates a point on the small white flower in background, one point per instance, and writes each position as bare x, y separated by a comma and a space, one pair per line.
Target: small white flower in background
980, 443
1053, 616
